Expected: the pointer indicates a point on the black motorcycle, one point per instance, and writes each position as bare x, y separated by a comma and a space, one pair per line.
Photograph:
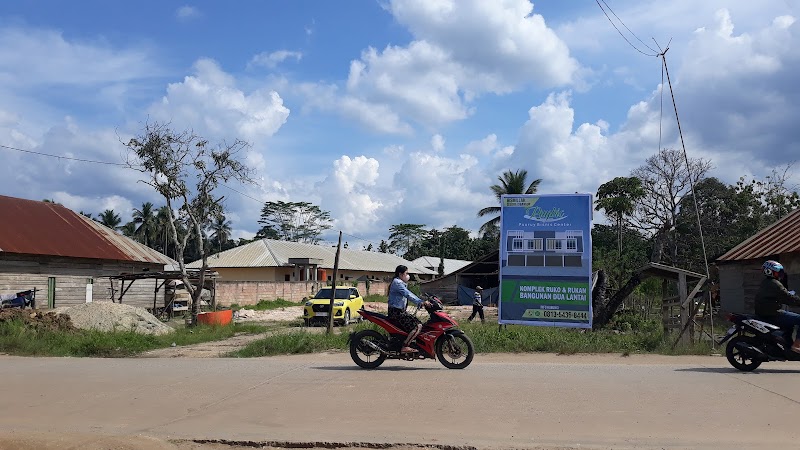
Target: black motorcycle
755, 341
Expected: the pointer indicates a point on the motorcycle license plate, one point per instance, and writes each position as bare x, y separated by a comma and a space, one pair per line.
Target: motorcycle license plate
321, 314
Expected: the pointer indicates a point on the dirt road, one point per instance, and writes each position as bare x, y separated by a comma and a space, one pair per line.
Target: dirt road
500, 401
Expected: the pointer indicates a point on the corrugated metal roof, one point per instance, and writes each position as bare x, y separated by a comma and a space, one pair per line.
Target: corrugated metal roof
782, 236
272, 253
450, 265
39, 228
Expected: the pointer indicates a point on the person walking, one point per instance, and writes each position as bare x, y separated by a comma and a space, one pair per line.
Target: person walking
477, 304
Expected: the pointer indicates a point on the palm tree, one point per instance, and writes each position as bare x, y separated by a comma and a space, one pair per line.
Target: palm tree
618, 199
129, 229
221, 230
162, 230
110, 219
510, 183
145, 222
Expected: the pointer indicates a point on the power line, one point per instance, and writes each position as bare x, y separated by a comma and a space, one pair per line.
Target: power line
629, 30
620, 32
108, 163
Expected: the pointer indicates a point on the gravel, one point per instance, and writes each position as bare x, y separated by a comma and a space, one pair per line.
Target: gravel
108, 316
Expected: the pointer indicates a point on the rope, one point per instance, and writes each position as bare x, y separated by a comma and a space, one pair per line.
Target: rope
691, 180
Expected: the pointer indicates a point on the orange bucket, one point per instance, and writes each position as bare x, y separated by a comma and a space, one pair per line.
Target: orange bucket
216, 317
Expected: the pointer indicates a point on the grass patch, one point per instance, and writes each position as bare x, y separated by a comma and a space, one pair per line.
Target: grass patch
376, 298
487, 339
17, 339
265, 305
523, 339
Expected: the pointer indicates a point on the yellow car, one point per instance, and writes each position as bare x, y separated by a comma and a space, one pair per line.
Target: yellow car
345, 305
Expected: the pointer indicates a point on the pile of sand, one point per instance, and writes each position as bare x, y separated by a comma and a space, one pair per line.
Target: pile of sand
108, 316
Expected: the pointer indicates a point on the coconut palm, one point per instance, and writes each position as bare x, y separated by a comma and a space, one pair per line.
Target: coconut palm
145, 221
510, 183
221, 231
110, 219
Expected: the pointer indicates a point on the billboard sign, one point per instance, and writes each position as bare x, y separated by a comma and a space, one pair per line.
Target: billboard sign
546, 260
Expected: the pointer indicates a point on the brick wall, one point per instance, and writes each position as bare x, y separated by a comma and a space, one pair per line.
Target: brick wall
251, 292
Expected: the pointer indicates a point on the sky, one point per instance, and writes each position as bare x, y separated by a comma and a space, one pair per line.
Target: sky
391, 111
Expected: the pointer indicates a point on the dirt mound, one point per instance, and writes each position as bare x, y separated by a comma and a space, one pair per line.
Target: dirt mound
39, 320
108, 316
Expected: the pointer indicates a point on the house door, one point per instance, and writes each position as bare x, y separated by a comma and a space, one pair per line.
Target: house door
51, 292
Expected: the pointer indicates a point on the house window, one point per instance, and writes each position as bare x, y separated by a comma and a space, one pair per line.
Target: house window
516, 244
534, 245
553, 244
572, 244
286, 277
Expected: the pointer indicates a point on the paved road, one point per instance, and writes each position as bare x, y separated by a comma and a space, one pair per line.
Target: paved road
500, 401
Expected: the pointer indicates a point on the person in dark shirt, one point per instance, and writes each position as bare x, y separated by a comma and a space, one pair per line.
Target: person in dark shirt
772, 295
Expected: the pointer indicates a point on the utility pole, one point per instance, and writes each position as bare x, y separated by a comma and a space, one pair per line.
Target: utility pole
333, 284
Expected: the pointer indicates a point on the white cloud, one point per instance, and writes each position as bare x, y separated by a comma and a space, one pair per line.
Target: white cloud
437, 143
736, 95
95, 204
438, 191
33, 57
484, 146
460, 51
348, 192
394, 151
187, 12
374, 116
210, 103
502, 44
271, 60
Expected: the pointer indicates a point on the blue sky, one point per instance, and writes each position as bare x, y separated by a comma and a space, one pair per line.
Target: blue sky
391, 111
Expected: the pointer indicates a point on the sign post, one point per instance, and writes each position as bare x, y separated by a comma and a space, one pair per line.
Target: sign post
546, 260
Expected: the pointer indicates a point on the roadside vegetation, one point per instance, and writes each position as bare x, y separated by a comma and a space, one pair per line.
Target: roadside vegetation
628, 335
21, 340
265, 305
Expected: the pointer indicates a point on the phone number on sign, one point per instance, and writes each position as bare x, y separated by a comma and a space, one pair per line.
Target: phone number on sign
556, 315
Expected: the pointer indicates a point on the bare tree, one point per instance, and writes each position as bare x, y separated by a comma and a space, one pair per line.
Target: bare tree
184, 169
666, 181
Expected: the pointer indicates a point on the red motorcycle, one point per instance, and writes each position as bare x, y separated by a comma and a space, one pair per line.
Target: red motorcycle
439, 336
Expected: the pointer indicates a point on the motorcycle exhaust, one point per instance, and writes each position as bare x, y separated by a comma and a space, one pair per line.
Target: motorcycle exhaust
375, 346
755, 352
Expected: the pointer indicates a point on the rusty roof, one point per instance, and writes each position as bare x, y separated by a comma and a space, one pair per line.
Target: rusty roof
782, 236
39, 228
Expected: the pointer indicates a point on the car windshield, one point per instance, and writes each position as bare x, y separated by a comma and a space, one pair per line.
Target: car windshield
326, 293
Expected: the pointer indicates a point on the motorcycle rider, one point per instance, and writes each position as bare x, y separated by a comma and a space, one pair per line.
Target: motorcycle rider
399, 295
771, 295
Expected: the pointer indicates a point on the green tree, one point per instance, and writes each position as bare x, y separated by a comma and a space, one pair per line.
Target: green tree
110, 219
146, 225
403, 236
129, 229
221, 231
618, 199
510, 183
294, 221
383, 247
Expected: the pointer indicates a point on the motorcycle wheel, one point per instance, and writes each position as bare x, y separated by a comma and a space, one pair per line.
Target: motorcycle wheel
737, 358
363, 355
456, 353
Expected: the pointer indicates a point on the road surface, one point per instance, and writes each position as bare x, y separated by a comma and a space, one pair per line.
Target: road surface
500, 401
